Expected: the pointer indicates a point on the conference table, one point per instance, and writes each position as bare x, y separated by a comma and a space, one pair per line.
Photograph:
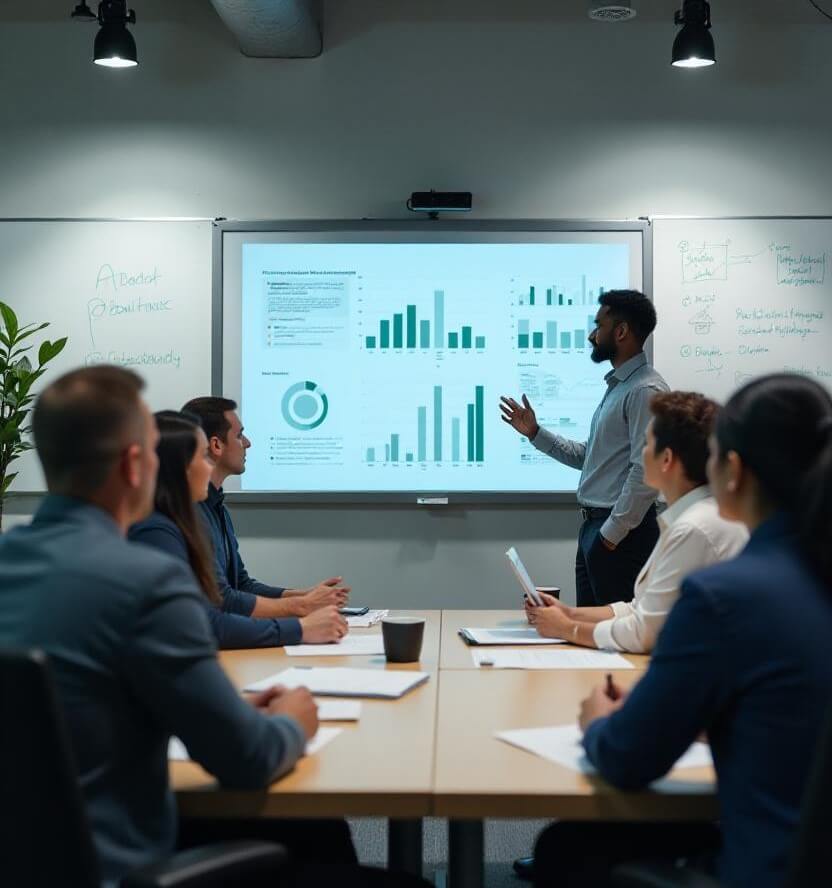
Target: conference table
433, 753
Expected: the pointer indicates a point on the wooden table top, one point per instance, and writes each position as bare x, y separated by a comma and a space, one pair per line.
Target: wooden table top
456, 654
478, 775
381, 765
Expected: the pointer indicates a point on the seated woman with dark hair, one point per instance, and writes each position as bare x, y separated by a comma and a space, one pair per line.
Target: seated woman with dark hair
743, 656
692, 534
174, 527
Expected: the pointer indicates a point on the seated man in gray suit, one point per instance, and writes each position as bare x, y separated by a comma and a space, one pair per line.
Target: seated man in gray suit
127, 635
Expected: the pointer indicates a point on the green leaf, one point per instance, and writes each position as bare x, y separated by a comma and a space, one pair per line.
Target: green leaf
10, 320
49, 350
9, 432
7, 481
26, 332
23, 365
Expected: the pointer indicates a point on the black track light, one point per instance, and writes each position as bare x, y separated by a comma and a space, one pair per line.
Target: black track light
82, 13
694, 45
114, 44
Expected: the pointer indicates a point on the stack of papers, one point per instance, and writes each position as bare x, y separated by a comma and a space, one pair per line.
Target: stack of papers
366, 620
178, 753
344, 682
559, 659
348, 646
520, 635
561, 744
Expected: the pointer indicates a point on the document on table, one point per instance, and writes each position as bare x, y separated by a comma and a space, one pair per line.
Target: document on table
561, 744
338, 710
345, 682
178, 753
560, 659
348, 646
519, 635
365, 621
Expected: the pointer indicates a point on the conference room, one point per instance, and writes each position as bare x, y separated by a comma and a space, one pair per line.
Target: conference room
462, 324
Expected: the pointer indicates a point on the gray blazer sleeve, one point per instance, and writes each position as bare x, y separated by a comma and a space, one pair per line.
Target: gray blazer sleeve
171, 665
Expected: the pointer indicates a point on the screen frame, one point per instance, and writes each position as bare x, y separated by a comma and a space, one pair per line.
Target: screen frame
221, 227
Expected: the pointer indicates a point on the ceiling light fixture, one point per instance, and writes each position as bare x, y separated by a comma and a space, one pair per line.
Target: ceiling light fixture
694, 45
114, 44
82, 13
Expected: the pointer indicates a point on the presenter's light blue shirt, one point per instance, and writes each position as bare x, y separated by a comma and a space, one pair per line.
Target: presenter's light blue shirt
612, 475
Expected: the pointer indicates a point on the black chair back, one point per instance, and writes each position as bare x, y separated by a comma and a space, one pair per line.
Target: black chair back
814, 833
45, 838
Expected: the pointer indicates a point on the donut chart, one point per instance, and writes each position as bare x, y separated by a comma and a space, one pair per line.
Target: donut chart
304, 406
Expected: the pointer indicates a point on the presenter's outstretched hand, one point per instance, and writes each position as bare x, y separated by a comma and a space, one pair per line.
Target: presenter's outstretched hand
300, 705
323, 626
520, 417
329, 593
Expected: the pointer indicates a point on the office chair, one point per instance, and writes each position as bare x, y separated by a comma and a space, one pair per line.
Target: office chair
45, 838
811, 853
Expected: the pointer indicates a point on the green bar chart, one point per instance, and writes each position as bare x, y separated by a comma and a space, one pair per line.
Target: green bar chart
551, 337
442, 434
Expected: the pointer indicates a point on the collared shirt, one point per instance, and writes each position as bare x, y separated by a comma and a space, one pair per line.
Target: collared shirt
239, 591
744, 655
692, 535
612, 476
134, 662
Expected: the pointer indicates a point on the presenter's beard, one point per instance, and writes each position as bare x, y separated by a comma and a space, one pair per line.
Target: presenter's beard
601, 353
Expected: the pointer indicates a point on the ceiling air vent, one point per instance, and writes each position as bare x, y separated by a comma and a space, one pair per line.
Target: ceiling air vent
611, 12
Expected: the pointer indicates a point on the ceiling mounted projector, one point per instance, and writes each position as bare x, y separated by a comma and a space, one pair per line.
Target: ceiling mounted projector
611, 12
435, 202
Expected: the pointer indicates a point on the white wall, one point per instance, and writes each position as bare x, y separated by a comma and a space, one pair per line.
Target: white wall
538, 111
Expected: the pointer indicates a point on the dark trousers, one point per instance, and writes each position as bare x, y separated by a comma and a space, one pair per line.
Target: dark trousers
321, 851
602, 576
579, 855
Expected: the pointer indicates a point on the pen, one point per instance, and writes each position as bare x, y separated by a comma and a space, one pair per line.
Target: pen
612, 693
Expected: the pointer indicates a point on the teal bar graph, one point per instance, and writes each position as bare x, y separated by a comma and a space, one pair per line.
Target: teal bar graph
470, 431
371, 342
437, 423
566, 340
453, 340
397, 331
422, 434
479, 342
479, 398
394, 448
408, 457
371, 454
537, 340
522, 334
439, 318
531, 295
455, 439
466, 337
424, 334
551, 334
580, 339
411, 326
384, 334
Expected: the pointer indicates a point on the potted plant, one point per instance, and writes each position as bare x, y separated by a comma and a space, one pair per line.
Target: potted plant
17, 376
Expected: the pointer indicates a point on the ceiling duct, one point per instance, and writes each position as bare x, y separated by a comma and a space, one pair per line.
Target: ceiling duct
277, 29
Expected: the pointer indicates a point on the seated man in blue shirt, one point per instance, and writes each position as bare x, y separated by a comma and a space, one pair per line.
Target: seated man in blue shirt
241, 593
743, 656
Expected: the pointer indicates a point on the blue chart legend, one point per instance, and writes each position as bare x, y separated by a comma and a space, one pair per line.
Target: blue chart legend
406, 330
431, 438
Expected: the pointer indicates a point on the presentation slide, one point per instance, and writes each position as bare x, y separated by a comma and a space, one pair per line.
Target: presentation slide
377, 367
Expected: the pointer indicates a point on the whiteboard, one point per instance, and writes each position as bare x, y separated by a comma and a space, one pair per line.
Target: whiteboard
738, 298
136, 294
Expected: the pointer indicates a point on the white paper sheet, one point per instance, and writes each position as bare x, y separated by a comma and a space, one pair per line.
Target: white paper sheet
518, 635
178, 753
561, 744
348, 646
523, 577
559, 659
338, 710
345, 682
367, 620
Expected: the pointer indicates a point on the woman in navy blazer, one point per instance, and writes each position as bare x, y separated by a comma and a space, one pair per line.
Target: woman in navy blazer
174, 527
743, 656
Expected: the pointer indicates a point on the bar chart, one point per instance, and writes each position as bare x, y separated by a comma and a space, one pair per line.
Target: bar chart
432, 441
406, 330
559, 296
554, 335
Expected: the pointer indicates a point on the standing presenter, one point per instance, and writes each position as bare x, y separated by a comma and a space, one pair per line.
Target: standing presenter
619, 528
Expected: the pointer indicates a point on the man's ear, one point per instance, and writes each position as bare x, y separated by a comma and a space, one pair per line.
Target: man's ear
668, 457
130, 466
622, 330
215, 447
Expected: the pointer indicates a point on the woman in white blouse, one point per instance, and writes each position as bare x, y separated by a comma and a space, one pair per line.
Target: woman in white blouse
691, 534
